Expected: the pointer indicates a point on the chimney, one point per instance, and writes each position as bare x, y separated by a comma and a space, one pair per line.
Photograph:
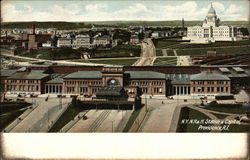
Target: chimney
6, 36
34, 29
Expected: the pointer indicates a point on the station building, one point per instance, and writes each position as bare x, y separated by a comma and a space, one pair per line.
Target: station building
126, 81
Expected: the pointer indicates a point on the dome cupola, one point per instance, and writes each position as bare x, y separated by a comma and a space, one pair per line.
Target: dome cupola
211, 12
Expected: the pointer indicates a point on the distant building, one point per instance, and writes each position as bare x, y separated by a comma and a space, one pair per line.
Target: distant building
47, 44
64, 42
102, 41
81, 41
211, 31
134, 39
34, 41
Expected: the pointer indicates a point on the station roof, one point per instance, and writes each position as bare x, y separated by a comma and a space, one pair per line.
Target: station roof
56, 80
28, 75
7, 72
238, 69
146, 75
84, 75
224, 69
208, 76
109, 91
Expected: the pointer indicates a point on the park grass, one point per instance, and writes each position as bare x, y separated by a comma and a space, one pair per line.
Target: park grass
66, 117
164, 43
203, 51
131, 120
10, 111
165, 61
159, 52
228, 108
220, 116
124, 62
170, 53
118, 51
238, 128
188, 113
17, 59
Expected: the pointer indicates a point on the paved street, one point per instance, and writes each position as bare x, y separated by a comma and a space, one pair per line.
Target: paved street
42, 117
162, 117
184, 61
148, 54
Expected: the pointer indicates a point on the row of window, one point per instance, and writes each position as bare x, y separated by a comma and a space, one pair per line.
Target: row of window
22, 81
155, 90
211, 82
146, 83
81, 89
83, 82
22, 88
210, 89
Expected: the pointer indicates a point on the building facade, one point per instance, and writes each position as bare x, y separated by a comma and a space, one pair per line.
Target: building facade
210, 84
81, 41
211, 30
26, 82
64, 42
91, 81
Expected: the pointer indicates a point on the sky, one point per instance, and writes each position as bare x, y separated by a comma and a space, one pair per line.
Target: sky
149, 10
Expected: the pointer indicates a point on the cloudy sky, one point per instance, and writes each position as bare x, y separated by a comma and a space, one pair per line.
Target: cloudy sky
86, 10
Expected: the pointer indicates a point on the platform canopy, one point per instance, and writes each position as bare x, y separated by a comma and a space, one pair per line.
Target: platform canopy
111, 93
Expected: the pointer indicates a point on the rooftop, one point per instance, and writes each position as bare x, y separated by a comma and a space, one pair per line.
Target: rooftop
7, 72
28, 75
238, 69
146, 75
224, 69
208, 76
84, 75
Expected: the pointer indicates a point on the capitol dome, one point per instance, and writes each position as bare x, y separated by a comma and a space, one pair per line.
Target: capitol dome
211, 11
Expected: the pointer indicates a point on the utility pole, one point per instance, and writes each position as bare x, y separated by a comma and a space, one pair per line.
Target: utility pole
60, 102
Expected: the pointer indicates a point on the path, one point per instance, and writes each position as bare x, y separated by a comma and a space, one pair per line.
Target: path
43, 116
148, 54
184, 61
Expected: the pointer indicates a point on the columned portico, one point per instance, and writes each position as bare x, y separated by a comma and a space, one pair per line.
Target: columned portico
53, 88
181, 90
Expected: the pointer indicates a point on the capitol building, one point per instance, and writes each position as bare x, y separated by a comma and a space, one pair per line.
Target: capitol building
211, 31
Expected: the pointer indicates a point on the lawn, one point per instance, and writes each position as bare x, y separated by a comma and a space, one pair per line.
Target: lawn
118, 51
164, 43
66, 117
10, 111
238, 128
165, 61
131, 120
188, 113
159, 52
203, 51
16, 59
124, 62
228, 108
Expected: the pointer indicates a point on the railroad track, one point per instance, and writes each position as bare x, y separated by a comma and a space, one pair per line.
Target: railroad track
99, 120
